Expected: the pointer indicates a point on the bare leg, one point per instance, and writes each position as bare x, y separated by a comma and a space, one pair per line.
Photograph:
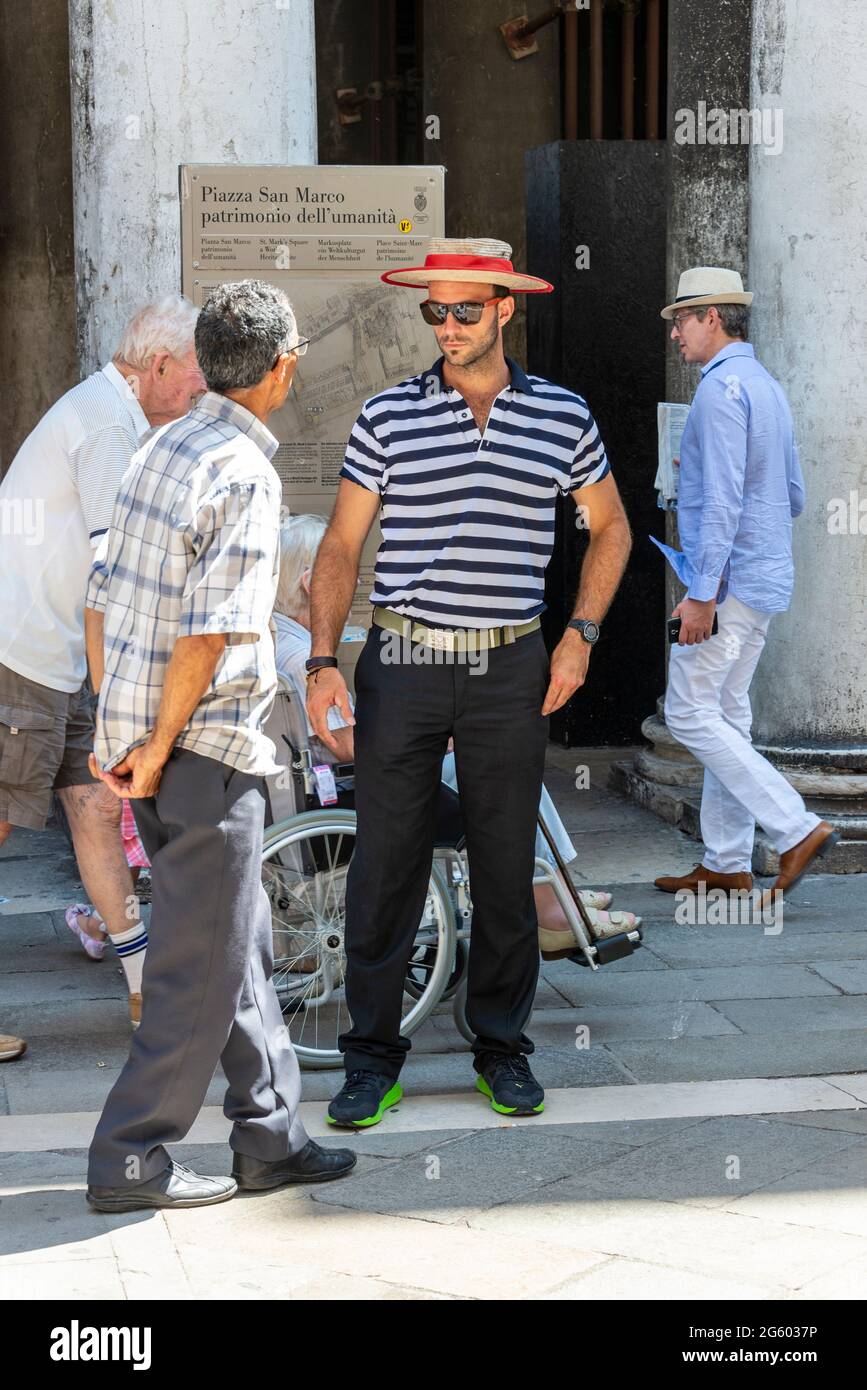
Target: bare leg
93, 813
548, 910
5, 831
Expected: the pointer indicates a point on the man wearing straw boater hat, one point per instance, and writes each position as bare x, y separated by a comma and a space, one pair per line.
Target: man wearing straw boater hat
740, 485
464, 464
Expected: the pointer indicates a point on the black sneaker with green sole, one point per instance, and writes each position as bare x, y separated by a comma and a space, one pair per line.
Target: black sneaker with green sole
510, 1086
364, 1099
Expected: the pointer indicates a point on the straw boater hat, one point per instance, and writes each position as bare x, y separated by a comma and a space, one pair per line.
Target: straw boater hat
477, 259
707, 284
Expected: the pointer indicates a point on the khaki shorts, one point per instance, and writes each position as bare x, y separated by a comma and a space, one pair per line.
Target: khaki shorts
45, 738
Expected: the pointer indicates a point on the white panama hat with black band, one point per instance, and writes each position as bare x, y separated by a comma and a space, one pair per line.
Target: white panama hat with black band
707, 284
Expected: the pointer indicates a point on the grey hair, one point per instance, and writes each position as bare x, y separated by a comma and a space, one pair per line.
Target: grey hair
164, 325
242, 329
735, 318
300, 538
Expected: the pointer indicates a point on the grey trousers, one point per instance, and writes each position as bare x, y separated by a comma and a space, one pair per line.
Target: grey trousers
207, 995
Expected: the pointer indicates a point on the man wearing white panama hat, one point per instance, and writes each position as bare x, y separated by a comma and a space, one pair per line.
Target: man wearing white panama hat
465, 461
739, 488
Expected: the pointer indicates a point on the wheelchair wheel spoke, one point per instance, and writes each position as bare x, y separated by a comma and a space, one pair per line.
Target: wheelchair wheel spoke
305, 877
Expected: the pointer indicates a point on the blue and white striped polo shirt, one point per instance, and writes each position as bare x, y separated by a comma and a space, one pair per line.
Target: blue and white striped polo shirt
468, 519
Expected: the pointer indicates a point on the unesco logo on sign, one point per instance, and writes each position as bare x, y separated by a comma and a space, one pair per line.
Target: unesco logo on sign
420, 202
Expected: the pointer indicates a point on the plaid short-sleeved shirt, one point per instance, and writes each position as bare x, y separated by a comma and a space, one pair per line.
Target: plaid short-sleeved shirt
192, 549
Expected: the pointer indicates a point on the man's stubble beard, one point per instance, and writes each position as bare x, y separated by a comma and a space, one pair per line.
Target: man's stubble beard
483, 351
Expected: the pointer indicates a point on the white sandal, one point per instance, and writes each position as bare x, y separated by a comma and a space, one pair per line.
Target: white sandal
611, 923
594, 898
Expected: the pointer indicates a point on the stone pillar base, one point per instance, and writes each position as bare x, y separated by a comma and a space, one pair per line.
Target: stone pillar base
667, 780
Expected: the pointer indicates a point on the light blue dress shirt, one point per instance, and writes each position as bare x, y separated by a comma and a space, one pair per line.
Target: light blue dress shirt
740, 485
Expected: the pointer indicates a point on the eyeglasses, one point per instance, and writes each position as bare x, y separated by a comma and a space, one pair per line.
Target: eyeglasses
678, 319
469, 311
298, 348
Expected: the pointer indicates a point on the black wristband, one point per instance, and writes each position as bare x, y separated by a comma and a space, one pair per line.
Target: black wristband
316, 663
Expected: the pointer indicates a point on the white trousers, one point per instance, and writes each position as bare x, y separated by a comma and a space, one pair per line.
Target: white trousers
707, 708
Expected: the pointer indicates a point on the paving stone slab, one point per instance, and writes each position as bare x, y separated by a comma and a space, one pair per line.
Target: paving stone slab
33, 1092
45, 988
829, 1195
555, 971
380, 1142
308, 1234
761, 1254
718, 1160
851, 1121
655, 1283
448, 1183
846, 1282
78, 1019
775, 1015
743, 982
52, 1053
670, 1020
709, 946
84, 1281
34, 844
41, 883
803, 1053
849, 976
25, 930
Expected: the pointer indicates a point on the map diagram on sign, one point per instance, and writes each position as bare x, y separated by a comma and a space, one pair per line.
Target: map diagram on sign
363, 338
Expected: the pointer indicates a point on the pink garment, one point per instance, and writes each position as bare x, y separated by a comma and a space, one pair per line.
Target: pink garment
132, 845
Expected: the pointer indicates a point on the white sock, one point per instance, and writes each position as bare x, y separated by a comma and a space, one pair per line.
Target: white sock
131, 946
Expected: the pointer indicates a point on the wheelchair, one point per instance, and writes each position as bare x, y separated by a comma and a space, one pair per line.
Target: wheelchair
305, 861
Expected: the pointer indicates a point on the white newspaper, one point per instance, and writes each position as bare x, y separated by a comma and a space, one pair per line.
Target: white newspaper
670, 421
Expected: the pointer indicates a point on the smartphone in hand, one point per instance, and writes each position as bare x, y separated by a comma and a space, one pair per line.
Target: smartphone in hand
674, 628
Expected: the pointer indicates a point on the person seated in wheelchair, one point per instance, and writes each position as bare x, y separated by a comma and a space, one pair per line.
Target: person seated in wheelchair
300, 538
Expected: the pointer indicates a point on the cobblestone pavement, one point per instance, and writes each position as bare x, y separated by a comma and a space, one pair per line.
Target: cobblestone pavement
709, 1142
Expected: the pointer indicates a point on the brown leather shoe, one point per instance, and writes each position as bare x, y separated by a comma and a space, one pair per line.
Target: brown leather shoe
11, 1048
797, 860
135, 1010
688, 883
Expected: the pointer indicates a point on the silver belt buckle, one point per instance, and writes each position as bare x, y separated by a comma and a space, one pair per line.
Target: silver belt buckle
441, 639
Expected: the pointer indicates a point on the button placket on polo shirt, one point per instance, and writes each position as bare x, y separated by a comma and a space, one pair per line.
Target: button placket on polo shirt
484, 443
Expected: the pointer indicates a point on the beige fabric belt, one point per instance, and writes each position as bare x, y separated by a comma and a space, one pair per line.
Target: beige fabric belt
457, 639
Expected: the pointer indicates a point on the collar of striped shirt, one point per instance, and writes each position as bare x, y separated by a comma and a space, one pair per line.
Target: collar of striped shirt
218, 407
519, 379
130, 399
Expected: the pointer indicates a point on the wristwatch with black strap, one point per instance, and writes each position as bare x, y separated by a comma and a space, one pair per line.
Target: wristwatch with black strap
589, 630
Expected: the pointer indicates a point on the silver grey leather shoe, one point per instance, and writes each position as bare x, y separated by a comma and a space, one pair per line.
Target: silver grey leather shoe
175, 1186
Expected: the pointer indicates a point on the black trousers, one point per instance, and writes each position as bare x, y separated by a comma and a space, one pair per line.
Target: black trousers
405, 713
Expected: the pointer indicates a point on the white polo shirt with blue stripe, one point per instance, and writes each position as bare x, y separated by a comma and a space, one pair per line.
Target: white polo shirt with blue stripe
468, 518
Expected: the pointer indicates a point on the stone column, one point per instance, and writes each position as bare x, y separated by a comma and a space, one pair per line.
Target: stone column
708, 62
808, 211
156, 84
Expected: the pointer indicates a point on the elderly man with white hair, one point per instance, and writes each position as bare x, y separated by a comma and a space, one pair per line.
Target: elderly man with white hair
56, 502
